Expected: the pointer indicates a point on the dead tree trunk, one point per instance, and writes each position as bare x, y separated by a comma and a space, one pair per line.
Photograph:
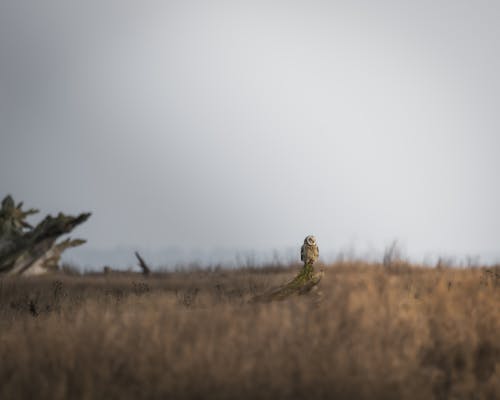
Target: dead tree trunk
27, 250
145, 269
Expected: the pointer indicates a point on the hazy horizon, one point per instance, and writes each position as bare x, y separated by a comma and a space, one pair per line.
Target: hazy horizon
246, 126
177, 257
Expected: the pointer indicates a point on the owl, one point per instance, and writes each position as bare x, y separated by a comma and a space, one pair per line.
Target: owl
309, 251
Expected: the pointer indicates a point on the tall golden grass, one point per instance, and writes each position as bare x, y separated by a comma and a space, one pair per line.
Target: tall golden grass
374, 332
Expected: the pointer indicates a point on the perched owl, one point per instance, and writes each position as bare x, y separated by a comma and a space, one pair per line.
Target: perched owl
309, 251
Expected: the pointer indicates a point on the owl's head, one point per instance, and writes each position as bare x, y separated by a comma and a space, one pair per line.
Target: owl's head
310, 240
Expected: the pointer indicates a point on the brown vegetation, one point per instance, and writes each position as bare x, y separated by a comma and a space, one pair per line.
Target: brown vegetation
397, 332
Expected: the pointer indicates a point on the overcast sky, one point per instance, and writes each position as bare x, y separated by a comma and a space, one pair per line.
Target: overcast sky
248, 125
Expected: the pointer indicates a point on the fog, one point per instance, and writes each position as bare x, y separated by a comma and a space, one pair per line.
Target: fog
227, 127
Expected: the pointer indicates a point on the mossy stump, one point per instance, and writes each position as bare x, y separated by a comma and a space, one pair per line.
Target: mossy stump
302, 284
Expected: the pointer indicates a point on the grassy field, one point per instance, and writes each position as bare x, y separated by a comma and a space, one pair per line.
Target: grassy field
374, 332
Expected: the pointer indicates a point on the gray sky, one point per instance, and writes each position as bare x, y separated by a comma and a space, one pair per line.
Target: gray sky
227, 124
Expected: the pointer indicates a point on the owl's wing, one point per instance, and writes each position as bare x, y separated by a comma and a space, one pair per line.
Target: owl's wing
302, 253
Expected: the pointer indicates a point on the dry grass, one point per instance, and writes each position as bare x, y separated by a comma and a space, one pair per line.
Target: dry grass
378, 333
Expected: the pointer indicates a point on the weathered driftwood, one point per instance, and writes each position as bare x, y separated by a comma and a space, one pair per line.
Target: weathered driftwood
28, 250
